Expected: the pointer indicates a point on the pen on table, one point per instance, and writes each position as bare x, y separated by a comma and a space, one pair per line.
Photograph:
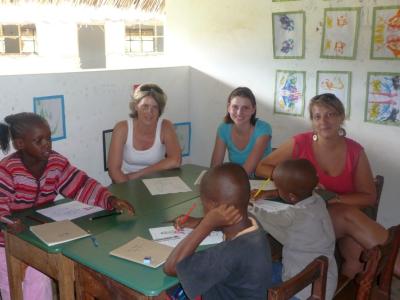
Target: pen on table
261, 187
36, 219
187, 215
94, 241
113, 213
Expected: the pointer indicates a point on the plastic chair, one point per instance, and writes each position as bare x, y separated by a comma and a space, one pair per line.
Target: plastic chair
315, 273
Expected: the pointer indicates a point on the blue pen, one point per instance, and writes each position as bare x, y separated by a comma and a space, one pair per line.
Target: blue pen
94, 241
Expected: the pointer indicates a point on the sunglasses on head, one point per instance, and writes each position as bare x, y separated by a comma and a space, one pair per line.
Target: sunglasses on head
150, 89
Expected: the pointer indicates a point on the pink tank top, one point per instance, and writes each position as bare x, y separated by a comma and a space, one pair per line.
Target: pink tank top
341, 184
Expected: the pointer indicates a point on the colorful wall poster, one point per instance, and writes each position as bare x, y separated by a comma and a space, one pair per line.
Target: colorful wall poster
383, 98
340, 33
52, 109
385, 40
288, 34
184, 132
337, 83
289, 92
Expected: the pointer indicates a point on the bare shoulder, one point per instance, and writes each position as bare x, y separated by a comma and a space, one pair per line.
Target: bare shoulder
120, 131
166, 124
121, 125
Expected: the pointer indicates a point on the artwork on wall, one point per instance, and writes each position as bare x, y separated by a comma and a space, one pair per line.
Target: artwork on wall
338, 83
340, 33
106, 146
288, 34
52, 109
184, 132
383, 98
385, 40
289, 92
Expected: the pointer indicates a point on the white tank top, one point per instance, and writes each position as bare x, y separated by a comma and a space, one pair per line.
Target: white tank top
134, 160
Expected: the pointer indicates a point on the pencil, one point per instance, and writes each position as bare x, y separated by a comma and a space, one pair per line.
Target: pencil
113, 213
36, 219
187, 215
261, 187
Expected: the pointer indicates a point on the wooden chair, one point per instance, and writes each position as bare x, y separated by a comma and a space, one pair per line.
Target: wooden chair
376, 279
372, 211
315, 273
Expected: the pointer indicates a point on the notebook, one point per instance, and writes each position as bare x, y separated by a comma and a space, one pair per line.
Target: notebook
58, 232
142, 251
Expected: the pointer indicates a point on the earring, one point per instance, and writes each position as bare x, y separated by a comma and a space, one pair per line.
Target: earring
315, 137
341, 131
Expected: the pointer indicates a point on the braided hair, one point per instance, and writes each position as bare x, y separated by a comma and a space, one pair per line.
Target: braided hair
16, 125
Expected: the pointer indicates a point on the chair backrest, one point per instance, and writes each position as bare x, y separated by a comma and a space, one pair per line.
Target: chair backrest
375, 281
315, 273
378, 180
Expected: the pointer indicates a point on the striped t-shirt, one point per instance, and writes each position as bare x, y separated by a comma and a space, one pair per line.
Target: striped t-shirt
20, 190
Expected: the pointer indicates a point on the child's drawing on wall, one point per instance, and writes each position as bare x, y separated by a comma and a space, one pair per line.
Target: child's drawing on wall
383, 98
289, 92
288, 31
338, 83
386, 33
183, 132
52, 109
339, 38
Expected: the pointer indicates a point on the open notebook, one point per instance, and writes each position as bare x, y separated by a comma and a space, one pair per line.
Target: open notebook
58, 232
142, 251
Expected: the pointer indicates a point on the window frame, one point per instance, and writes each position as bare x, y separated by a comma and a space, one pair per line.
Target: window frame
157, 38
21, 37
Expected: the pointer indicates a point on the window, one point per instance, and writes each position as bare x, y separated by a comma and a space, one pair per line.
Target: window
17, 39
144, 38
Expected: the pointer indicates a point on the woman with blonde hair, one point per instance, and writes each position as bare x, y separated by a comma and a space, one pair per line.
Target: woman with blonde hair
145, 143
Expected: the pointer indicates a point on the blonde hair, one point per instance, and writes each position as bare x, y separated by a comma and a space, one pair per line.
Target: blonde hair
144, 90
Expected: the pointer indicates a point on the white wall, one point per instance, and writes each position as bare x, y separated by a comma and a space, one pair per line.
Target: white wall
229, 43
94, 101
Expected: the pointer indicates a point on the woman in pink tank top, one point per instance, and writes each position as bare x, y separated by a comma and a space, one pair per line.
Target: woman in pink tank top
343, 168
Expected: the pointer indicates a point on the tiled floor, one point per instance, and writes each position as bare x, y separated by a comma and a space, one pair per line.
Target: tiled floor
395, 289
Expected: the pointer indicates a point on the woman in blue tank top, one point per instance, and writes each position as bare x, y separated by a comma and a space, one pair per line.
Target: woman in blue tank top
246, 138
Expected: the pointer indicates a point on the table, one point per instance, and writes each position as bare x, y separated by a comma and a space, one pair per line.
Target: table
138, 195
25, 249
99, 275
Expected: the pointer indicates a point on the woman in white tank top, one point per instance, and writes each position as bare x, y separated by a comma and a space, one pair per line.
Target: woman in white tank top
145, 143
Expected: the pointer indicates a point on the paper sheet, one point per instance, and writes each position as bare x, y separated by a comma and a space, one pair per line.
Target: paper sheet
271, 206
144, 252
166, 185
69, 211
257, 184
169, 236
58, 232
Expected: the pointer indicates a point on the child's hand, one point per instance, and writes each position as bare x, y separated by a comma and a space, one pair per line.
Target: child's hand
271, 194
186, 222
120, 204
222, 215
16, 227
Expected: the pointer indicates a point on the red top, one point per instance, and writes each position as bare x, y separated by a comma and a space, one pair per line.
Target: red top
19, 190
341, 184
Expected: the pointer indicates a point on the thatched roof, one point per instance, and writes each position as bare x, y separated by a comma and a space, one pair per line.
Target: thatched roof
156, 6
